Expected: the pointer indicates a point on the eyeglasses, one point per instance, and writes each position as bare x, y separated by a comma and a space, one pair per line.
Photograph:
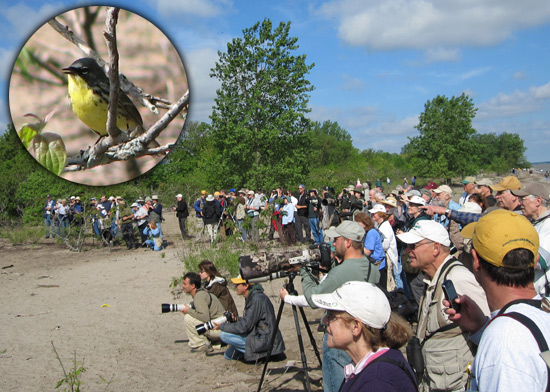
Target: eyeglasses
330, 317
417, 245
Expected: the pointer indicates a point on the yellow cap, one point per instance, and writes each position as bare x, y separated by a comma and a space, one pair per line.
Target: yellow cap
238, 280
507, 183
203, 192
216, 193
499, 232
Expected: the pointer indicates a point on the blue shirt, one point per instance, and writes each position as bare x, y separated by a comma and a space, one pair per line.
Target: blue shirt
373, 242
288, 213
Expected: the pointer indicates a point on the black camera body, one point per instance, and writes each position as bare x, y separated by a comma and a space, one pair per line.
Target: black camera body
226, 318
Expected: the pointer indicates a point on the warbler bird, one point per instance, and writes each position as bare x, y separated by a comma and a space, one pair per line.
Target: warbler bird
89, 96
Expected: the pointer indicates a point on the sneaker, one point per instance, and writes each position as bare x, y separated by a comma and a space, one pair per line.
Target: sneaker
205, 348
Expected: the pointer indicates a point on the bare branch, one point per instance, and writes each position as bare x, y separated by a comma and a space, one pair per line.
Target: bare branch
121, 152
114, 81
156, 128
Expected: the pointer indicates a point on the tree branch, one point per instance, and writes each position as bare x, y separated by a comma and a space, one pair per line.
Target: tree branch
114, 81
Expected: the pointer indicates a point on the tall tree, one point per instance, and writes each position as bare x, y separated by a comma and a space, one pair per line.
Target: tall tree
258, 120
445, 147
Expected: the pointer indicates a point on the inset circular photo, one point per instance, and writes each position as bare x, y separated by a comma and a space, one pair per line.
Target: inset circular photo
62, 91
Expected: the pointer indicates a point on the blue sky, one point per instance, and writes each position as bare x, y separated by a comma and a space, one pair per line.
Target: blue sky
376, 62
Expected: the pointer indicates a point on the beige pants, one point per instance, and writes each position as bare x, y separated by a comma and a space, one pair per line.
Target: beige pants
196, 340
212, 229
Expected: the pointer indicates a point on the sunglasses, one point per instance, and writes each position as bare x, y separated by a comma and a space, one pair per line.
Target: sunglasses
417, 245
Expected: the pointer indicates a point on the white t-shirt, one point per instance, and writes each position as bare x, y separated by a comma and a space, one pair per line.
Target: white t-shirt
508, 356
390, 243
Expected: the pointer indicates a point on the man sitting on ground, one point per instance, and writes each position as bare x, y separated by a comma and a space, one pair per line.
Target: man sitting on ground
250, 336
206, 307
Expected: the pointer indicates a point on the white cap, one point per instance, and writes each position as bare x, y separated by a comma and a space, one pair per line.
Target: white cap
179, 195
111, 198
470, 206
417, 200
134, 205
444, 188
362, 300
378, 208
426, 229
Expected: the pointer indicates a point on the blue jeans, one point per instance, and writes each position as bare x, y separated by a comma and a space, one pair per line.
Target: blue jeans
50, 227
114, 229
236, 342
316, 230
241, 229
63, 226
334, 361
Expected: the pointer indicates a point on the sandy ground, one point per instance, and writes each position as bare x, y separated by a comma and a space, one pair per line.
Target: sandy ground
105, 307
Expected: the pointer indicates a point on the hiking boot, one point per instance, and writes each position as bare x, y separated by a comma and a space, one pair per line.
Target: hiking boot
205, 348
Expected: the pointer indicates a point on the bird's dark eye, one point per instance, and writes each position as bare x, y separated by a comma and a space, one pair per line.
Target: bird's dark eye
84, 70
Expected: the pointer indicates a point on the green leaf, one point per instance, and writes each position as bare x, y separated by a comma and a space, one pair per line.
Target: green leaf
28, 131
50, 151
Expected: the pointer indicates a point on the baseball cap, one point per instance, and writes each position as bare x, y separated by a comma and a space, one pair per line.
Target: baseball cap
507, 183
499, 232
302, 186
431, 185
468, 179
347, 229
426, 191
484, 182
533, 188
426, 229
203, 192
232, 190
111, 198
134, 205
216, 193
417, 200
470, 206
362, 300
444, 188
378, 208
238, 280
413, 192
250, 193
179, 195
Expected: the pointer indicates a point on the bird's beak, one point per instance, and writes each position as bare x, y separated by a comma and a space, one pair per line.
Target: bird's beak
69, 70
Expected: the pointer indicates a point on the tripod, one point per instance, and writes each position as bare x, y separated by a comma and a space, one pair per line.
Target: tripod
292, 291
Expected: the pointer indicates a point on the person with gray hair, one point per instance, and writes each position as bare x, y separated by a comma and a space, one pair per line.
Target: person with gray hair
533, 200
445, 348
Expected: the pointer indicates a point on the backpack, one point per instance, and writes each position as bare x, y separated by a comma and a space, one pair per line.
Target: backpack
209, 210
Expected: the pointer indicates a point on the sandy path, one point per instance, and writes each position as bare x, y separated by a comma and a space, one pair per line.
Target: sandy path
51, 294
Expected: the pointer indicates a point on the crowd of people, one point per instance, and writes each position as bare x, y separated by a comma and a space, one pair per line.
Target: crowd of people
110, 218
489, 245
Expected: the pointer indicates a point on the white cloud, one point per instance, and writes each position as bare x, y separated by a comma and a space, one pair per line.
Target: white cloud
520, 75
442, 54
199, 8
475, 73
542, 92
202, 87
514, 104
424, 24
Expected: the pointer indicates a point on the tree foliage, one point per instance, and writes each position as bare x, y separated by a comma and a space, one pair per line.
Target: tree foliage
258, 121
444, 148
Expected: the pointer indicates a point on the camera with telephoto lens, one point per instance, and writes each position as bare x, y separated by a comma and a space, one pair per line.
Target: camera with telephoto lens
174, 307
226, 318
266, 266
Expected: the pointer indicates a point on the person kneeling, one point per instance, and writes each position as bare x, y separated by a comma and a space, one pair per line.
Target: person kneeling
359, 321
250, 335
206, 307
154, 235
